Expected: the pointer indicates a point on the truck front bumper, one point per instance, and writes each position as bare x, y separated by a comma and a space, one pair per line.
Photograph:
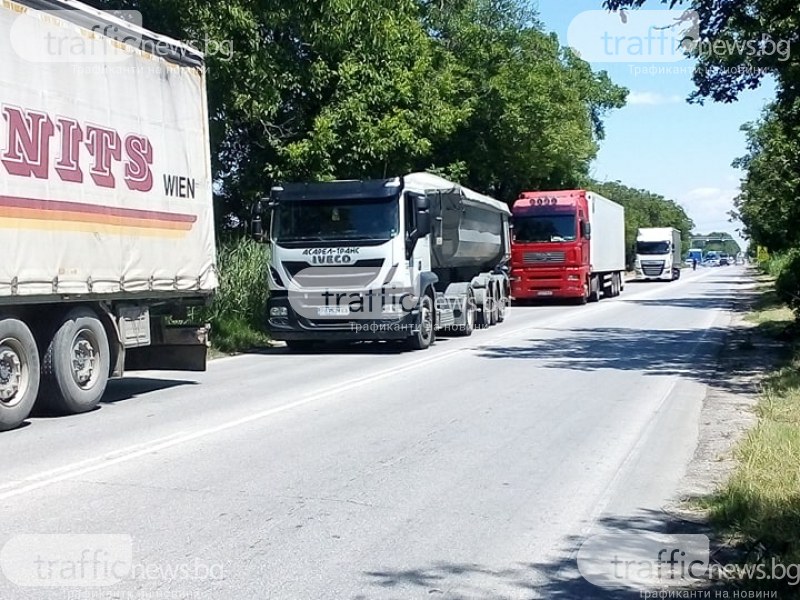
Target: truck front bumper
292, 326
543, 283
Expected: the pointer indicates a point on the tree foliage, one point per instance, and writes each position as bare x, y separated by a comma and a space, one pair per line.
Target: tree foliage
769, 203
740, 43
370, 88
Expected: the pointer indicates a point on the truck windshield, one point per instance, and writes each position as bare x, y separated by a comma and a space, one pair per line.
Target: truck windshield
652, 247
373, 219
545, 228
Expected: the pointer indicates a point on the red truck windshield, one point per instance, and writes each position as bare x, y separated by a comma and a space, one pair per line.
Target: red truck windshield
545, 228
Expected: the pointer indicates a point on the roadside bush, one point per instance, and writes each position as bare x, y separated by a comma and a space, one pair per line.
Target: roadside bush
238, 311
786, 270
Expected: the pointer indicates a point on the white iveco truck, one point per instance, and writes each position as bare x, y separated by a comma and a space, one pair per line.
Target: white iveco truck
658, 254
395, 259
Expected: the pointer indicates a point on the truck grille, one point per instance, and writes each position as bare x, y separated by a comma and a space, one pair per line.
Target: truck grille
653, 268
539, 258
359, 274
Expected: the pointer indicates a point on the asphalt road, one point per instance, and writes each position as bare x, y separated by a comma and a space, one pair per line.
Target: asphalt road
472, 470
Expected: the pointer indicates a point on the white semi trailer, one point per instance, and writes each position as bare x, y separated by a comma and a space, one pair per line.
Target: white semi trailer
395, 259
106, 218
658, 254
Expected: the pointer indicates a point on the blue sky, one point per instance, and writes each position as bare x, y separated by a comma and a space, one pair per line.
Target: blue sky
659, 142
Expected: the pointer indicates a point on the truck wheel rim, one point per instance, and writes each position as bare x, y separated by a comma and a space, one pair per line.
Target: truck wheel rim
13, 373
84, 359
427, 320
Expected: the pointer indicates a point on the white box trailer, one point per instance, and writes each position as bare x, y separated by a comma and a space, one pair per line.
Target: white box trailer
106, 214
607, 243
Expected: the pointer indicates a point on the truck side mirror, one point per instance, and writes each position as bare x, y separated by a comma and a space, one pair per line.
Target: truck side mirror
257, 222
422, 203
586, 230
257, 228
424, 223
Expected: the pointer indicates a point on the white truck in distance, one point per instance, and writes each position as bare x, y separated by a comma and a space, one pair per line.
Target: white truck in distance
106, 213
394, 259
658, 254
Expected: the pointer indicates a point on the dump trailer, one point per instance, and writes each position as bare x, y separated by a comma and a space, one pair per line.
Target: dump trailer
392, 259
567, 244
106, 214
658, 254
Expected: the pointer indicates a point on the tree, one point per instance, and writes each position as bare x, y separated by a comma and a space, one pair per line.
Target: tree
371, 88
312, 90
768, 203
534, 109
740, 42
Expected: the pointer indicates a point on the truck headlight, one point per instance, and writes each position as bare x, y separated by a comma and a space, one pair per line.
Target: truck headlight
278, 311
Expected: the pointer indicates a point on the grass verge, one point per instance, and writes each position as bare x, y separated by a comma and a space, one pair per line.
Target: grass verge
759, 507
237, 313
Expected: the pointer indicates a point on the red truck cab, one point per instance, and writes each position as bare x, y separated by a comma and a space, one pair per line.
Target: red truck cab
550, 252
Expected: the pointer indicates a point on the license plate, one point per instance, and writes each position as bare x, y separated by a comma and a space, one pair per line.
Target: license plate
333, 311
545, 293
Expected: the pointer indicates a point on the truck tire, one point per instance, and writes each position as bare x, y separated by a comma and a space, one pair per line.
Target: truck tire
426, 333
594, 289
76, 364
502, 304
618, 282
19, 373
489, 313
470, 316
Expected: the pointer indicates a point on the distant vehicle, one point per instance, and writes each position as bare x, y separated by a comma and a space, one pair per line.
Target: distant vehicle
724, 261
711, 262
695, 254
658, 254
567, 244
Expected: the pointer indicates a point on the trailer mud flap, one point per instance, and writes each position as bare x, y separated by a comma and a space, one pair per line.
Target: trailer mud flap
171, 349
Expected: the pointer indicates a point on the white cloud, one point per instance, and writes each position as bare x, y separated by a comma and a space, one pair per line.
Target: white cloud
652, 99
708, 207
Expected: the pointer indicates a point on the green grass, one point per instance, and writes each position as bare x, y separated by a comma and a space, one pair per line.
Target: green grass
760, 505
237, 313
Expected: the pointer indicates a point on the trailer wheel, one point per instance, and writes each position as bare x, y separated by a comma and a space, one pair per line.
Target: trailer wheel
594, 289
425, 334
502, 304
492, 313
470, 316
76, 364
19, 373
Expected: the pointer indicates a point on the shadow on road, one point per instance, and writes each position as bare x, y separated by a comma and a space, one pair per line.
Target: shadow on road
133, 387
687, 353
557, 579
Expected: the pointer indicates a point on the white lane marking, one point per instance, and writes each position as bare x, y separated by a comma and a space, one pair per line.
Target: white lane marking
79, 464
84, 467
